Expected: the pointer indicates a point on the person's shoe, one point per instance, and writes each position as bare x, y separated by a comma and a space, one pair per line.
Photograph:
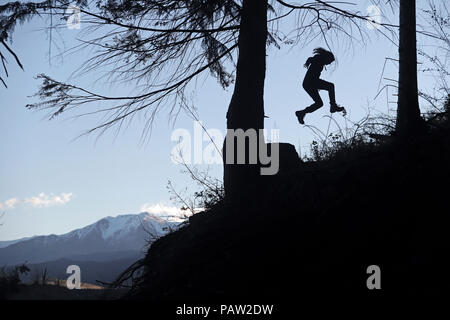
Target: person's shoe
335, 108
300, 116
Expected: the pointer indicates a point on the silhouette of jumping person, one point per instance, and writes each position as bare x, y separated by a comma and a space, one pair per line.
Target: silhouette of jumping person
312, 83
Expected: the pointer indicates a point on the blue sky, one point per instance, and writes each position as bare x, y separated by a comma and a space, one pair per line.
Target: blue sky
51, 183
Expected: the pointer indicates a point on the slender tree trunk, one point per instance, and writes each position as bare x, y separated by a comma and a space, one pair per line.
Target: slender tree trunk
246, 109
408, 112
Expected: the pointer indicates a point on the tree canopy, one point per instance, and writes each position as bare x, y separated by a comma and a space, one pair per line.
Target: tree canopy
162, 46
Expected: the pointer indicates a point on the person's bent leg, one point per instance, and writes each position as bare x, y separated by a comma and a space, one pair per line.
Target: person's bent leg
318, 103
329, 86
314, 94
325, 85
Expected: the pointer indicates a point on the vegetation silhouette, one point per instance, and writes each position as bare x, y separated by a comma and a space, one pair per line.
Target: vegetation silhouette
316, 226
164, 46
409, 121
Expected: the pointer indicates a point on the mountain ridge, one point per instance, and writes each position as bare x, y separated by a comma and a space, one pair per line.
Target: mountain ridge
121, 234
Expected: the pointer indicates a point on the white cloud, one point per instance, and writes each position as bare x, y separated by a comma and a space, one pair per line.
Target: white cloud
170, 213
44, 200
41, 201
10, 203
160, 209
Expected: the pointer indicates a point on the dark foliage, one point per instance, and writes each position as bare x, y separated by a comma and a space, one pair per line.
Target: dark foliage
10, 279
314, 231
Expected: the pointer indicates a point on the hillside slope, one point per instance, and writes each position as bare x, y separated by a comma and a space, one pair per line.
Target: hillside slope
315, 230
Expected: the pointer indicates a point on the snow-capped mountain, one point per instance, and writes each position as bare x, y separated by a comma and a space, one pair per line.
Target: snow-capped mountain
118, 229
109, 238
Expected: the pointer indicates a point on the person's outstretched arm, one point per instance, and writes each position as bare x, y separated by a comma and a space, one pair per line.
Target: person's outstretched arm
308, 62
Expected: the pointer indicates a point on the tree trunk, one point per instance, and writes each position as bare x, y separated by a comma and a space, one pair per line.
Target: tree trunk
408, 112
246, 109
